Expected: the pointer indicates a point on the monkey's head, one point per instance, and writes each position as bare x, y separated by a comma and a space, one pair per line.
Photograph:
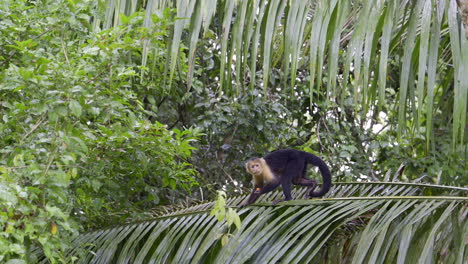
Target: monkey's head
254, 166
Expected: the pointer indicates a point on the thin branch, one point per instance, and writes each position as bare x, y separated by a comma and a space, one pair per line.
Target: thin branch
64, 51
229, 176
41, 119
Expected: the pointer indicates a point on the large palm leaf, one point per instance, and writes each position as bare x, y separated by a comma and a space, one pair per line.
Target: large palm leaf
357, 222
258, 36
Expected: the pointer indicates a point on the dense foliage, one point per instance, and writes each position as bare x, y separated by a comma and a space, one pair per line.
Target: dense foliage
76, 142
109, 110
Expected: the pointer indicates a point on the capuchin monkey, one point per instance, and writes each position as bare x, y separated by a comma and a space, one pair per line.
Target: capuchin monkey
285, 167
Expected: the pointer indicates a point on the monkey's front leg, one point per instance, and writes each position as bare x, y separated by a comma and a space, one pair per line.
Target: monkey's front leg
270, 187
259, 191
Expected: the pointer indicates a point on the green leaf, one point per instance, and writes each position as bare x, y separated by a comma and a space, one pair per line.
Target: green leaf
228, 10
237, 220
55, 211
230, 216
75, 107
74, 172
407, 65
224, 240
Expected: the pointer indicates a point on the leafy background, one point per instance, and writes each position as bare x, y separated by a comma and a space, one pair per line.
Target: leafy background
111, 108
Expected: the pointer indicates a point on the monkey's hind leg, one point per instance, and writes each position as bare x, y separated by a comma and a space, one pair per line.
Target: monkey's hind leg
312, 184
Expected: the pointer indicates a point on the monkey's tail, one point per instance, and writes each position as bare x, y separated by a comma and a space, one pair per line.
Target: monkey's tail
326, 175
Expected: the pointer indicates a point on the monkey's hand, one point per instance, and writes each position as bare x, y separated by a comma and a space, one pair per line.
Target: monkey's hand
252, 198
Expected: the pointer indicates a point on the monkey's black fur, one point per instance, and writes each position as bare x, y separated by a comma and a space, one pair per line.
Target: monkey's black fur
289, 166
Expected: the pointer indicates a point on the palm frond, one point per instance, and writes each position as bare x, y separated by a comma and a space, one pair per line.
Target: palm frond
285, 36
368, 222
338, 190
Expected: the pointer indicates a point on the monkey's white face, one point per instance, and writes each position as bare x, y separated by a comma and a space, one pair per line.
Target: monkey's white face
254, 168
